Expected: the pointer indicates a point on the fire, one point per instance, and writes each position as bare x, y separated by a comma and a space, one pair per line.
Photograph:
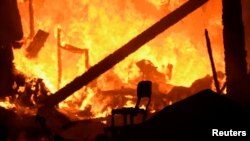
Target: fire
101, 27
7, 104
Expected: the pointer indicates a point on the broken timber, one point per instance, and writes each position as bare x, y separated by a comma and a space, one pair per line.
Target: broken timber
209, 49
71, 49
123, 52
36, 44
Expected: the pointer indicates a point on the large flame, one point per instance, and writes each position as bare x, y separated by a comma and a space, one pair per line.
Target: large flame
104, 26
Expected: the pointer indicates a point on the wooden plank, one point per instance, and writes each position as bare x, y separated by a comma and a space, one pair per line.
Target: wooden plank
37, 43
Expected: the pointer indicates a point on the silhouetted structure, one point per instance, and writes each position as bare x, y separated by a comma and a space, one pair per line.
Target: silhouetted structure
144, 90
246, 20
235, 54
192, 119
10, 32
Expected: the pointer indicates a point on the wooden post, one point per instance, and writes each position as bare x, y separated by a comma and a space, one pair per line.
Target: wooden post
237, 77
31, 16
59, 62
209, 49
123, 52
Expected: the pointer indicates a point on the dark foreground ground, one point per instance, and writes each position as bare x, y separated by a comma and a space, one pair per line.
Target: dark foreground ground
193, 118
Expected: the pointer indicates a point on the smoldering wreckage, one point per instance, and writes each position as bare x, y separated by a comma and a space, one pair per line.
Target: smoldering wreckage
33, 111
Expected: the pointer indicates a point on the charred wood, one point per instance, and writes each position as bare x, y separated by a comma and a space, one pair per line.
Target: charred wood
36, 44
216, 82
28, 91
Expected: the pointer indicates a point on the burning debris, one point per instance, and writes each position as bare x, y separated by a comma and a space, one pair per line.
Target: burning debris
122, 52
27, 94
36, 44
150, 72
34, 90
29, 91
172, 72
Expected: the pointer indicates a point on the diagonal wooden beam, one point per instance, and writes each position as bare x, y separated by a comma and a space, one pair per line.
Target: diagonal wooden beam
123, 52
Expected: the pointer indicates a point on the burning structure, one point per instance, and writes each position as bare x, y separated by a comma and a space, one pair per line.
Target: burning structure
174, 43
176, 61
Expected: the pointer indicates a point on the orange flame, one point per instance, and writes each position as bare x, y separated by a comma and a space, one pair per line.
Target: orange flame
102, 27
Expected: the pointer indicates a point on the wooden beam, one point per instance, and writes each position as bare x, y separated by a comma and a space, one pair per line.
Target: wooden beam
31, 16
210, 53
123, 52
